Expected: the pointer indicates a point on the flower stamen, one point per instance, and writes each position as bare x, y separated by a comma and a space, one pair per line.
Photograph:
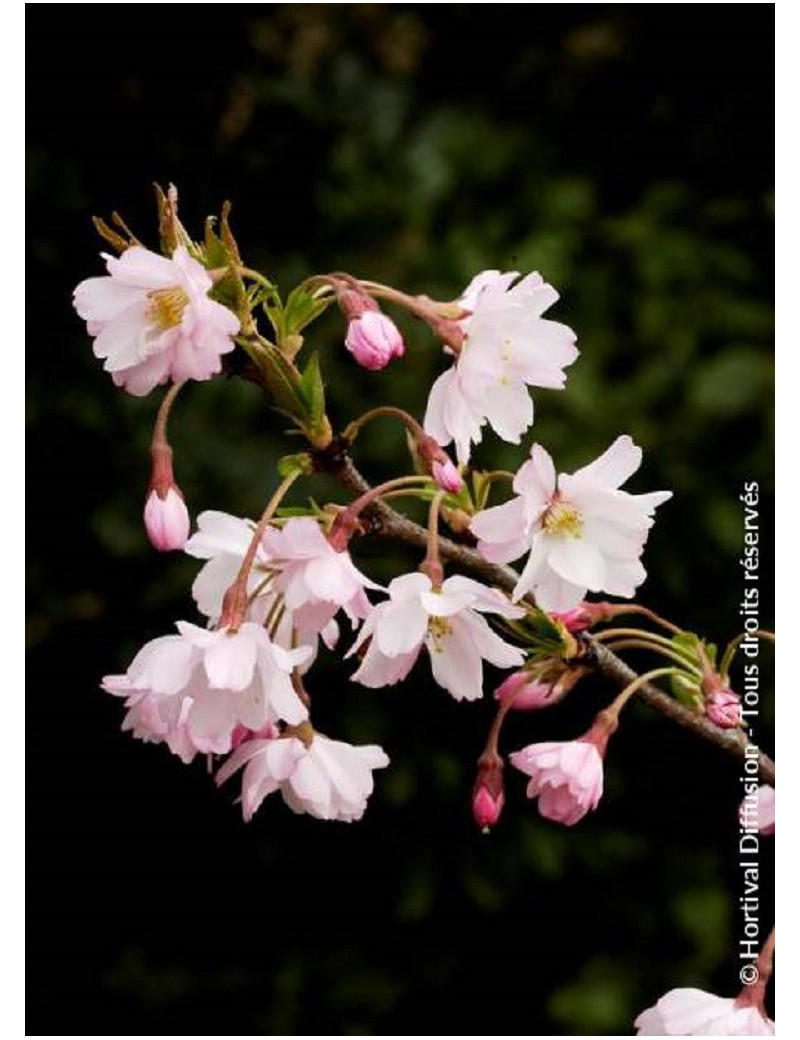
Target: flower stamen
562, 518
438, 629
167, 307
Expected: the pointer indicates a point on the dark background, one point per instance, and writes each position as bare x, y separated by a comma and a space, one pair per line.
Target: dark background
626, 152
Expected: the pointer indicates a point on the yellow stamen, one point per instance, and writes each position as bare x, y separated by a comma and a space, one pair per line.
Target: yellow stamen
167, 307
562, 518
438, 629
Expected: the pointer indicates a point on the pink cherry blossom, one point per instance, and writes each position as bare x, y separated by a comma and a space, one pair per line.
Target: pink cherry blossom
166, 519
447, 621
566, 777
374, 340
152, 319
222, 540
315, 579
693, 1012
581, 532
194, 690
757, 811
316, 775
508, 347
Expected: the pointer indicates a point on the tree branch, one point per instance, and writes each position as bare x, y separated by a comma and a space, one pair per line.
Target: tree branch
387, 522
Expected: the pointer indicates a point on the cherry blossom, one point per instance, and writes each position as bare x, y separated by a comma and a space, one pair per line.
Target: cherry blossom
325, 778
315, 579
447, 621
507, 348
693, 1012
193, 690
581, 531
152, 319
566, 777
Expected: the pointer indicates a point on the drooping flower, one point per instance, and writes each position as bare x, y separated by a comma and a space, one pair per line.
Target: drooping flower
326, 778
166, 519
693, 1012
507, 348
223, 540
447, 621
581, 531
757, 811
152, 319
194, 689
566, 776
315, 579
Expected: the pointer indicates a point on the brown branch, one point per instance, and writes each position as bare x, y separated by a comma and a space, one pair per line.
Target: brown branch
387, 522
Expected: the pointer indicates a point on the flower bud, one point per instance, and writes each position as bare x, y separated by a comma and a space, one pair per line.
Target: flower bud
438, 463
166, 519
372, 338
724, 708
446, 475
525, 692
487, 794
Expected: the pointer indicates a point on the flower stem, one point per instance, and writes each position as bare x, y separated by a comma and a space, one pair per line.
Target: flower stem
234, 605
388, 411
641, 644
619, 702
160, 427
346, 523
652, 638
637, 608
733, 646
432, 564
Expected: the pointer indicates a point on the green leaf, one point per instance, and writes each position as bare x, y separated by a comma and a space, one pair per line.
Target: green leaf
303, 307
299, 463
312, 391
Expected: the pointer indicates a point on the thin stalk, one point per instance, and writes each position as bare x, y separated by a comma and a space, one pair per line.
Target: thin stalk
640, 644
735, 643
235, 602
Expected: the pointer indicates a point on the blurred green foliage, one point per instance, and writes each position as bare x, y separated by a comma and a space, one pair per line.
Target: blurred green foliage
602, 145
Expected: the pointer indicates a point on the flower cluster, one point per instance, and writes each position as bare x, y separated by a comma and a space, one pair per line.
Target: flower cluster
271, 593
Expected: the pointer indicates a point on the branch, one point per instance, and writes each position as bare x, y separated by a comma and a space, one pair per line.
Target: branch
388, 523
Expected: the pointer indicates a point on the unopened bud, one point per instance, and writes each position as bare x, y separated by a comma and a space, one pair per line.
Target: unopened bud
166, 518
438, 463
487, 794
724, 708
372, 338
524, 692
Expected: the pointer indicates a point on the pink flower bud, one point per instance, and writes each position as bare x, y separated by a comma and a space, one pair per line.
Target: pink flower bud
166, 519
724, 708
525, 692
446, 475
373, 340
487, 794
486, 809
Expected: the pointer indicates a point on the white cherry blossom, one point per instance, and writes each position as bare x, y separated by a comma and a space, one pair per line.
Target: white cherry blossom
508, 346
581, 532
447, 622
